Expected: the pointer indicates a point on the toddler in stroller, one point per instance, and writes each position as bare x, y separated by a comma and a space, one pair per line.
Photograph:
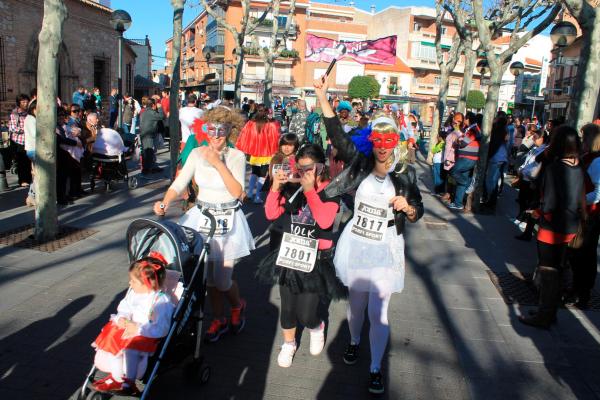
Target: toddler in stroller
109, 157
133, 334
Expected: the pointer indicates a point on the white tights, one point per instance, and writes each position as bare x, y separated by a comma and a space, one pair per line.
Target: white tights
378, 310
131, 364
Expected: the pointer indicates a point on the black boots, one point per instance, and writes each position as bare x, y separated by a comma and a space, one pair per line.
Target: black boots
549, 299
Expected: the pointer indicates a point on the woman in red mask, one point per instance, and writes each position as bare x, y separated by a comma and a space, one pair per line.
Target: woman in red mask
369, 257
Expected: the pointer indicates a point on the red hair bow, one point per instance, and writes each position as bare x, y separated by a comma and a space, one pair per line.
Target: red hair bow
159, 257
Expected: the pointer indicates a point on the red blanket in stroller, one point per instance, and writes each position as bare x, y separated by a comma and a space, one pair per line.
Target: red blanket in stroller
111, 340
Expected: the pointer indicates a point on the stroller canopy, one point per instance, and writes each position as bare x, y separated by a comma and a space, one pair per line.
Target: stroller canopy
109, 143
176, 243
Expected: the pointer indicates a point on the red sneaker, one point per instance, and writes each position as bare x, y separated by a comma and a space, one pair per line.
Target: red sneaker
108, 385
238, 317
217, 328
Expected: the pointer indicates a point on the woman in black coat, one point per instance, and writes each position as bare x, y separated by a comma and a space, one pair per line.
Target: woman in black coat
561, 207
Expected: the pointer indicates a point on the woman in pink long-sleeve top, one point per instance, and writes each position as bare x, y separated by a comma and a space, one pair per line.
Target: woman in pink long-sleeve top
302, 265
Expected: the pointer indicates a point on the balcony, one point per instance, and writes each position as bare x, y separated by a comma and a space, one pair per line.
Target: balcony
289, 54
251, 80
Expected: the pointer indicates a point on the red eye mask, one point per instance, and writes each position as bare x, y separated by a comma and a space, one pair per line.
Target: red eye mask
382, 140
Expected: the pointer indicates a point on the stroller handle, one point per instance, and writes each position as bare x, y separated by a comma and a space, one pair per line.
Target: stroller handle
213, 221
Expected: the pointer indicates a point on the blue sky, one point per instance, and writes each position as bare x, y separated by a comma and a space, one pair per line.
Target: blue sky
154, 18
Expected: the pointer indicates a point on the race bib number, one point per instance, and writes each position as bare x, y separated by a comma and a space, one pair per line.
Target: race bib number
370, 222
297, 252
224, 219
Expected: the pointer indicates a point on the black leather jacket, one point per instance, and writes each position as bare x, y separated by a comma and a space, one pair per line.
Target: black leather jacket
357, 167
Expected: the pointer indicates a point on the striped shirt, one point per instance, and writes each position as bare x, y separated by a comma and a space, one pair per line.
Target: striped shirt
16, 126
468, 144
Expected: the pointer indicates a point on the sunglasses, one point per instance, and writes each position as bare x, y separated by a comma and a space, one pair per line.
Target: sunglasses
303, 169
75, 110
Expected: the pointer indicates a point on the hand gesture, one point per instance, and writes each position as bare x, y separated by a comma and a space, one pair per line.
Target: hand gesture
308, 180
158, 210
131, 330
399, 203
279, 178
210, 155
321, 85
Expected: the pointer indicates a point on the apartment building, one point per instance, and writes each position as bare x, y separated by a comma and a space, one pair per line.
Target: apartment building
293, 74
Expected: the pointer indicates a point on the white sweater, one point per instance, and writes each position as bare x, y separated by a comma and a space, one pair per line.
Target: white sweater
211, 188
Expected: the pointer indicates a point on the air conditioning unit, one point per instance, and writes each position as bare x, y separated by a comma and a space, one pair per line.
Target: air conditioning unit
567, 90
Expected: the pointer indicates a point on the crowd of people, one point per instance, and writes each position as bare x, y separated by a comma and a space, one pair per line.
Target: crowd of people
306, 166
556, 171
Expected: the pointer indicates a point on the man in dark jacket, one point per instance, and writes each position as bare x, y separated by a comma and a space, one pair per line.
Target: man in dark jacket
149, 121
113, 102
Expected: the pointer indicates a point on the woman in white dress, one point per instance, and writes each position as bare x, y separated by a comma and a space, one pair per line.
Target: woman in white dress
219, 172
369, 257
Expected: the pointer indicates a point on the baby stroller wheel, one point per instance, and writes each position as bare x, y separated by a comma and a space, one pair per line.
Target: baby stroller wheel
132, 182
197, 370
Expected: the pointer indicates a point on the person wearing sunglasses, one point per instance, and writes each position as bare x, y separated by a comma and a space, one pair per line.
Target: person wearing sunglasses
369, 257
219, 170
303, 262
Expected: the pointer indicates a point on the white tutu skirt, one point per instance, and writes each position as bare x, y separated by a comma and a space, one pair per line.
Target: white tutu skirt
236, 243
370, 266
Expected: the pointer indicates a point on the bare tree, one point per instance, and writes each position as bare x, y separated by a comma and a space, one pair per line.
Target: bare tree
174, 133
446, 68
587, 84
520, 15
247, 27
470, 58
50, 38
271, 52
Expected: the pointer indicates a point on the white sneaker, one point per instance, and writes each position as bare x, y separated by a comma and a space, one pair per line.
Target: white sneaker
286, 355
317, 340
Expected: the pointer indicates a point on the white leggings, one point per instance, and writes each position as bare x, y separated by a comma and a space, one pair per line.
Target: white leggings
131, 364
219, 274
378, 310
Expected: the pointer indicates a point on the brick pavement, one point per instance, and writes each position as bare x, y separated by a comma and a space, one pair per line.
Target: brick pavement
452, 336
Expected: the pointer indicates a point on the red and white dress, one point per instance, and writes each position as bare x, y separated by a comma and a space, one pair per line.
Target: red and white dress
151, 311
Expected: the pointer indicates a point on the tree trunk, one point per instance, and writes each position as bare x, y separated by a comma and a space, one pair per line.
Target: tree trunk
470, 57
587, 85
489, 112
50, 38
239, 50
438, 114
174, 132
268, 94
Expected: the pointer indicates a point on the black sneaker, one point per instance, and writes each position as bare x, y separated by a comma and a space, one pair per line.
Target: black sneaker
351, 354
376, 383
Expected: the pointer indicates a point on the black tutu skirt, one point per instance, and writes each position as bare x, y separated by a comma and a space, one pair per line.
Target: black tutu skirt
322, 279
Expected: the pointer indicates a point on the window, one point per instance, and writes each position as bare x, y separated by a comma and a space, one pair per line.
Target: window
101, 76
417, 27
437, 80
444, 30
422, 52
319, 72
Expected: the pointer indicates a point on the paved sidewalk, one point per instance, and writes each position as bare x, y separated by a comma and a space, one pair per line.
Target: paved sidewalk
452, 336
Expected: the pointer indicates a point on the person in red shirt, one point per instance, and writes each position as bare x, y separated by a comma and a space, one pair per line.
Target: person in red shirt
164, 102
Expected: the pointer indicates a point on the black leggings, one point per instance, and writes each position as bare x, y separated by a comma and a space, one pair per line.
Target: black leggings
552, 255
298, 308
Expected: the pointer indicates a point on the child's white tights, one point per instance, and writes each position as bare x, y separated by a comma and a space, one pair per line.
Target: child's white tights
378, 319
131, 364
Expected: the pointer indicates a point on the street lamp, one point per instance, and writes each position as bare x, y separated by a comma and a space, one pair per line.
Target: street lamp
207, 53
563, 34
120, 21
